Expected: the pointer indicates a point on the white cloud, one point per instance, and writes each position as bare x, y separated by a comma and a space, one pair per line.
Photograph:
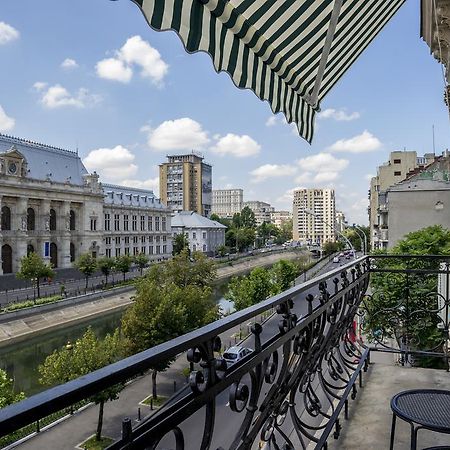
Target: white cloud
326, 177
271, 121
114, 69
112, 163
238, 146
323, 162
369, 176
271, 171
178, 134
339, 115
135, 52
6, 123
58, 96
40, 85
7, 33
305, 178
151, 183
69, 63
362, 143
287, 198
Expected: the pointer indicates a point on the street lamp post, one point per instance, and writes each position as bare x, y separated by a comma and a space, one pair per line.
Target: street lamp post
312, 213
364, 236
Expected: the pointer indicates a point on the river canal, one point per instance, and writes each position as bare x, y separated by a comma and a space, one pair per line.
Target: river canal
21, 360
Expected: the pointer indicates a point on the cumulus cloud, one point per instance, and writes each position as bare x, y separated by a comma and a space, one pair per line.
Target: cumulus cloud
323, 162
150, 183
362, 143
6, 123
338, 114
112, 163
69, 63
271, 171
325, 177
7, 33
287, 198
134, 53
184, 133
58, 96
235, 145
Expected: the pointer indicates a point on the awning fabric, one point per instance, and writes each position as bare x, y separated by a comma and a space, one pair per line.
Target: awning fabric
288, 52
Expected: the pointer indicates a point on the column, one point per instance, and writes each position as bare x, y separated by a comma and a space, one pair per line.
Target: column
64, 243
43, 226
20, 224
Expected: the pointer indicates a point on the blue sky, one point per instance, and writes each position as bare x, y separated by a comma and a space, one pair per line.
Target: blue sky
93, 76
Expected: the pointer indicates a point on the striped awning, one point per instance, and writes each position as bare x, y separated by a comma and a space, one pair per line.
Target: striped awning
288, 52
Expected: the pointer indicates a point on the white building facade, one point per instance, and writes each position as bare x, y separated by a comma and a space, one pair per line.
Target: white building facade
227, 202
320, 226
262, 211
51, 205
204, 235
278, 218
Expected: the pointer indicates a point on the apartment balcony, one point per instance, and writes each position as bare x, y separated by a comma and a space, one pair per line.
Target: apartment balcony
383, 208
324, 365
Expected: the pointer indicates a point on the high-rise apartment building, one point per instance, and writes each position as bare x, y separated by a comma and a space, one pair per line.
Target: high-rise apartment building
401, 164
185, 184
227, 202
318, 225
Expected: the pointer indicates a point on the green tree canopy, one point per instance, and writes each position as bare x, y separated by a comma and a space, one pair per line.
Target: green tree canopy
87, 265
32, 267
267, 230
123, 264
285, 232
284, 274
332, 247
224, 221
86, 355
247, 218
7, 394
141, 260
106, 266
180, 242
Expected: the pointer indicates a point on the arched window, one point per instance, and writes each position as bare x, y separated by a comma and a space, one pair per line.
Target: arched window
30, 219
72, 220
6, 218
30, 249
53, 255
6, 258
72, 251
52, 220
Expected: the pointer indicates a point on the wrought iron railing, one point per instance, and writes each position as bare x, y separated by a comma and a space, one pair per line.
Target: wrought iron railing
307, 359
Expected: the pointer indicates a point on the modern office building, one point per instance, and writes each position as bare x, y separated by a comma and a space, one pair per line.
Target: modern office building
401, 164
262, 211
185, 184
51, 205
204, 235
227, 202
316, 226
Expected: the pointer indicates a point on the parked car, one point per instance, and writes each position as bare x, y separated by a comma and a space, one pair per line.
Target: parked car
336, 259
236, 353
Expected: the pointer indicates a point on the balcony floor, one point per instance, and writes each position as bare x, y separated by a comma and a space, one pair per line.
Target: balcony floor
370, 414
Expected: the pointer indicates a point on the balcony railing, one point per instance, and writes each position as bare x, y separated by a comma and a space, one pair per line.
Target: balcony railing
307, 362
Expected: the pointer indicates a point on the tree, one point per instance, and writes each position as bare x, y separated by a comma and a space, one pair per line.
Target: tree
245, 237
331, 247
417, 322
266, 230
251, 289
224, 221
87, 265
285, 232
106, 266
354, 237
7, 394
247, 218
156, 316
32, 267
86, 355
141, 260
123, 264
284, 274
222, 250
180, 242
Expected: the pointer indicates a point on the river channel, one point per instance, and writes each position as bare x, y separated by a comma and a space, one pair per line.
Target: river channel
21, 360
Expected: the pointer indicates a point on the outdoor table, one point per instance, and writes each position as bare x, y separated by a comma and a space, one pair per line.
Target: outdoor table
421, 408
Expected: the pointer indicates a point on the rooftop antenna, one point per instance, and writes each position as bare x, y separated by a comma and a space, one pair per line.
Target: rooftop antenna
434, 148
76, 144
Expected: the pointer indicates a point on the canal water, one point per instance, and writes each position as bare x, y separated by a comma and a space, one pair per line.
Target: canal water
21, 360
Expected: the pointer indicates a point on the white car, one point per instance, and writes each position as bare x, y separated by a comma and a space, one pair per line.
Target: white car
234, 354
336, 259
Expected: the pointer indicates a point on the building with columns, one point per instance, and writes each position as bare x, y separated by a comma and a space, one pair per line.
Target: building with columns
51, 205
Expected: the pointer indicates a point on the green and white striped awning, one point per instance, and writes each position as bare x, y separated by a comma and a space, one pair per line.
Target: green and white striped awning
288, 52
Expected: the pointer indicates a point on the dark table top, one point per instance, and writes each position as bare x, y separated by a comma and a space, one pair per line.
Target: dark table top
427, 407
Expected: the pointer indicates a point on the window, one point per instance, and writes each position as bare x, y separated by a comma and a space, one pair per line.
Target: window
93, 224
72, 252
118, 240
204, 247
135, 250
158, 238
142, 239
158, 249
30, 219
164, 248
117, 252
134, 223
164, 238
397, 161
108, 253
72, 220
135, 239
127, 239
125, 222
204, 235
127, 251
150, 239
52, 220
156, 223
107, 222
150, 250
143, 250
116, 222
397, 174
163, 223
150, 223
194, 235
108, 241
142, 223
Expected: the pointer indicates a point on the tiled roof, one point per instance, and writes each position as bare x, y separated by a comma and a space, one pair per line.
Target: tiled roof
127, 196
189, 219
